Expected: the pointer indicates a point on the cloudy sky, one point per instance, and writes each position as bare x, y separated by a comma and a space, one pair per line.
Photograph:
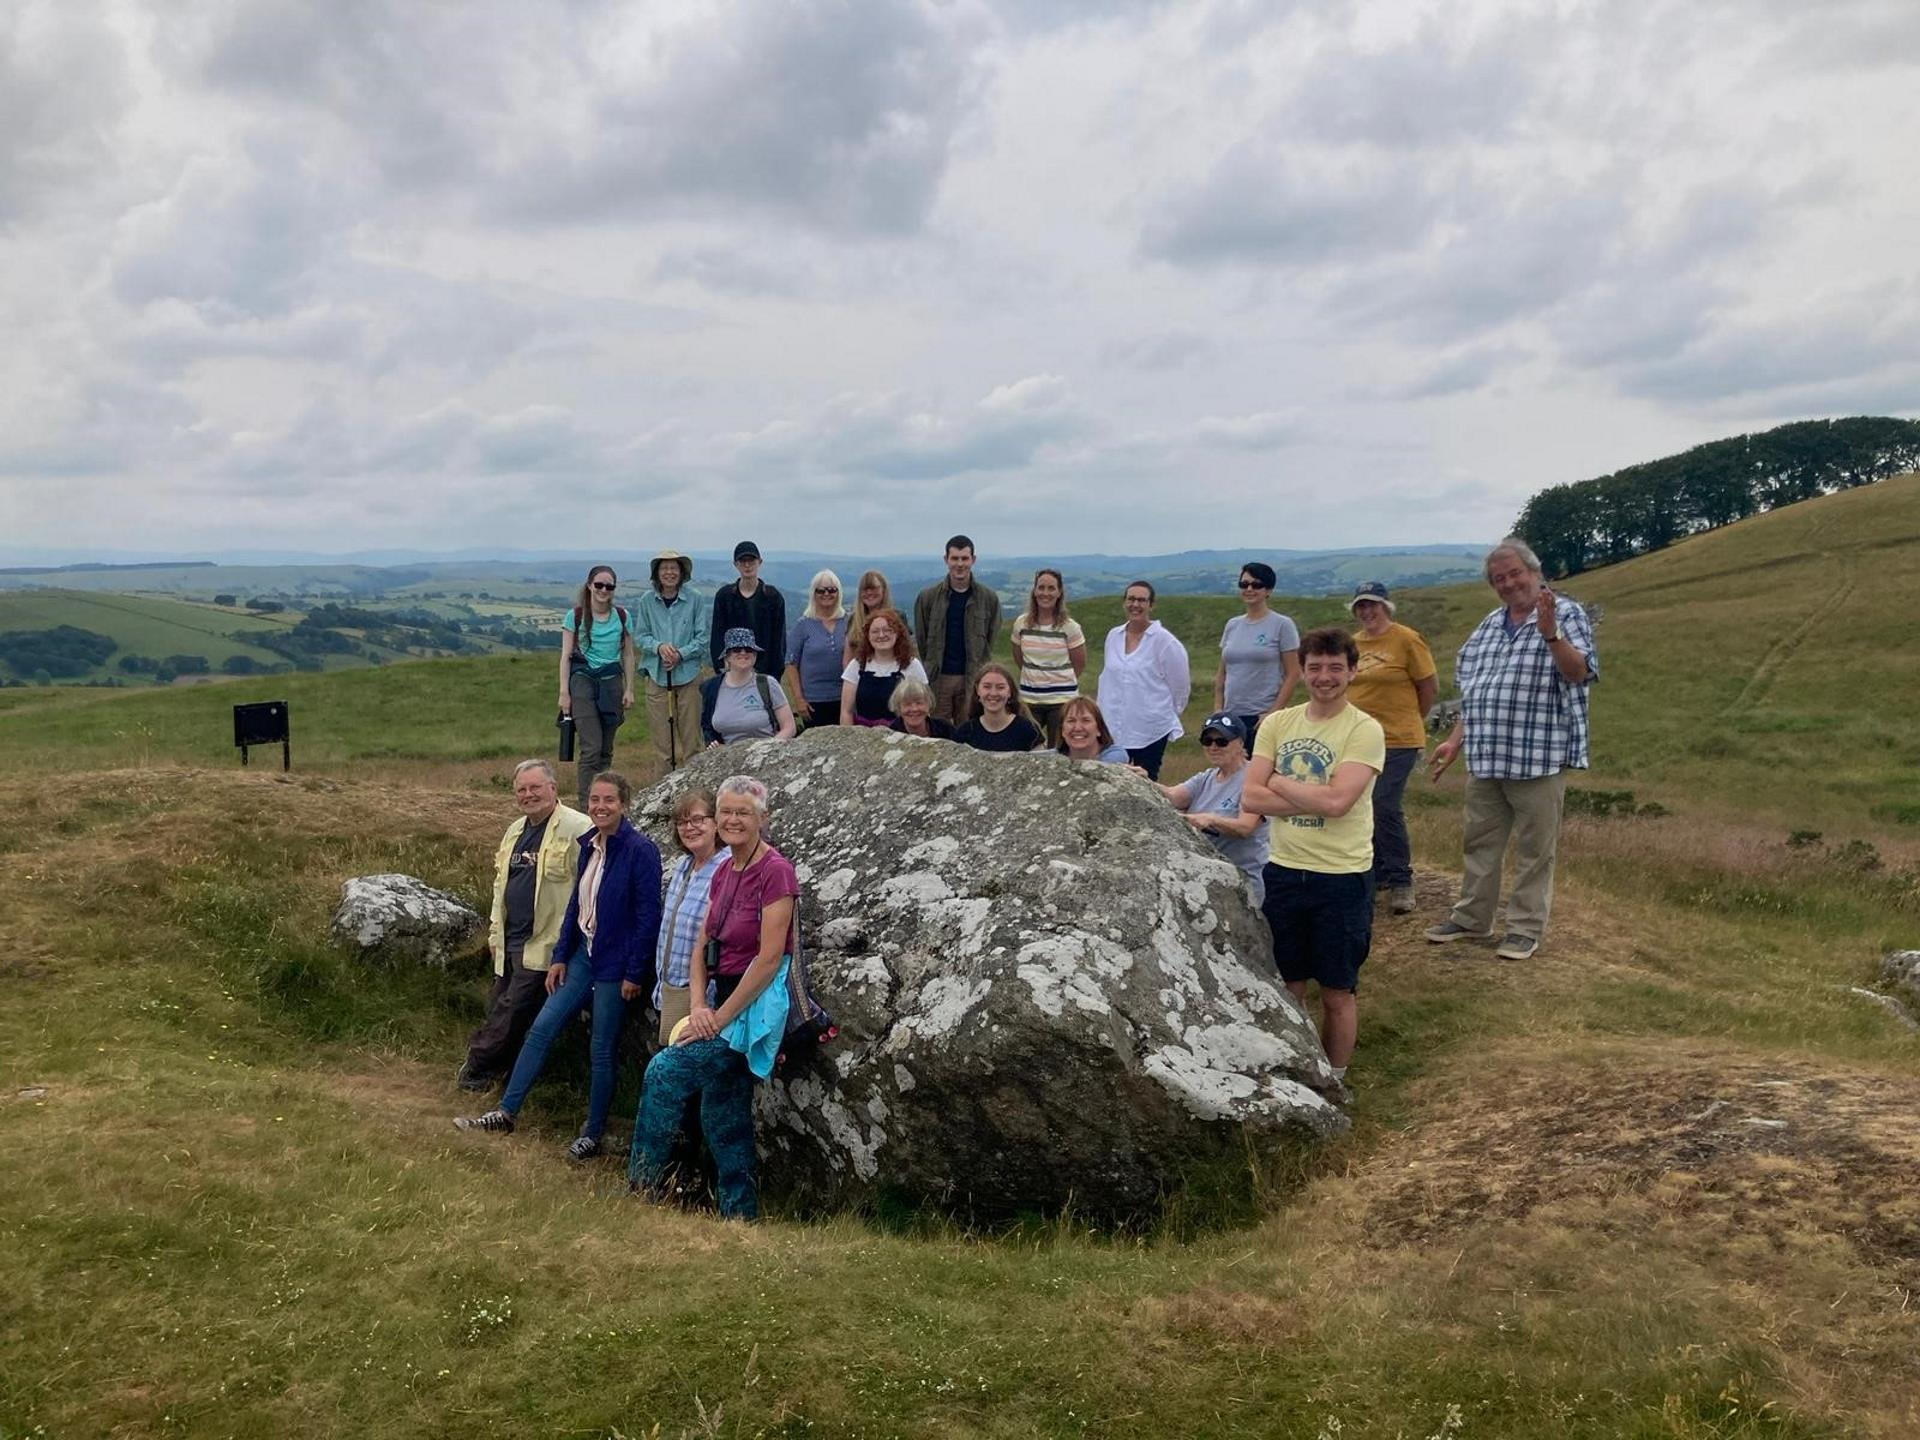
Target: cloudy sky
850, 276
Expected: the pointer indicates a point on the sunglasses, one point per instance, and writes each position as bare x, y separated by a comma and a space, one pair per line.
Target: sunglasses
826, 589
604, 586
1251, 585
1209, 741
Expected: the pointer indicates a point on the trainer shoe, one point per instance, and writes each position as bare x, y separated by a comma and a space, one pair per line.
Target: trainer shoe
584, 1147
496, 1120
1446, 932
1517, 947
1400, 899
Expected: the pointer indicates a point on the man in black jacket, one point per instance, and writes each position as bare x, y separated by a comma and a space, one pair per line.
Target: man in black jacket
751, 602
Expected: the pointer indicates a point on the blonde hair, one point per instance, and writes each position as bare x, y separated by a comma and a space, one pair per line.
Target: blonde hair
825, 577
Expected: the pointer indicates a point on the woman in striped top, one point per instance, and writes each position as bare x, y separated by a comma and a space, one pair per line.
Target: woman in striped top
1050, 652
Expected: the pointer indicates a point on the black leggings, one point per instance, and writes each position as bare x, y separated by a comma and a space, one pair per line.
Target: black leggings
1148, 757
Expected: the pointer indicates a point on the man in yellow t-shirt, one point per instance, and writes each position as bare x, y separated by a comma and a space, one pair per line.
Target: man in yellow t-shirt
1313, 769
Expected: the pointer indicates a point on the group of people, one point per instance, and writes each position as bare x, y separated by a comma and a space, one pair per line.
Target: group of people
1306, 799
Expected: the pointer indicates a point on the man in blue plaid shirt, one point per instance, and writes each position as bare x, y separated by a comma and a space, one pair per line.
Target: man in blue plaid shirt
1524, 675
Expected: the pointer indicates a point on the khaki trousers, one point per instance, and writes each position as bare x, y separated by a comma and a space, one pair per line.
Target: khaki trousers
1527, 814
952, 698
673, 718
676, 1003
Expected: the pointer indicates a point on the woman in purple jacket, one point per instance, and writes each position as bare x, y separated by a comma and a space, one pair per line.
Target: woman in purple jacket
604, 954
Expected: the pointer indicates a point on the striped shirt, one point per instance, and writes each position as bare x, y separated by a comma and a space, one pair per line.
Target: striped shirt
1523, 720
681, 913
1046, 666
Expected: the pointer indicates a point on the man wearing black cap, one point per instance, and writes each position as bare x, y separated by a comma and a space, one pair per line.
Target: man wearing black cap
758, 606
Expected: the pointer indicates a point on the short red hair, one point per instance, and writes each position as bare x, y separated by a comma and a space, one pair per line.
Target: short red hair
902, 640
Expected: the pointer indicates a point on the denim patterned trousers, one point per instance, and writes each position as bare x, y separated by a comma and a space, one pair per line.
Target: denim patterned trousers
718, 1074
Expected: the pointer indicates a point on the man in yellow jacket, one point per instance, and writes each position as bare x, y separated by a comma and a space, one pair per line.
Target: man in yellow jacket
533, 878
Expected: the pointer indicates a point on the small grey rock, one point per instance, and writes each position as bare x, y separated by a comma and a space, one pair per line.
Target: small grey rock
399, 918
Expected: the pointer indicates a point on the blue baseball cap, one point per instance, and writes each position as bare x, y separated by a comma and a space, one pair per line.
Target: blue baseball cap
1371, 590
1224, 724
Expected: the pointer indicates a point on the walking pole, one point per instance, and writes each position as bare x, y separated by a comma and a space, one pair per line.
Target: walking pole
673, 723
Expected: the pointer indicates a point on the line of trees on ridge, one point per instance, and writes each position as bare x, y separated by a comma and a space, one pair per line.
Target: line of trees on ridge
1647, 507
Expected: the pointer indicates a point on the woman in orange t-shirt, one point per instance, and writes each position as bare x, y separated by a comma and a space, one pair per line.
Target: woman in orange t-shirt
1395, 684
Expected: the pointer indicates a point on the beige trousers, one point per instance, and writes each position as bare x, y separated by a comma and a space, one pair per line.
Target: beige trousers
1527, 814
676, 1003
674, 719
951, 699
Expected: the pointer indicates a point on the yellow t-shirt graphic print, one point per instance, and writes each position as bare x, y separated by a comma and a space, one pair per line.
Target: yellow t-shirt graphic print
1309, 751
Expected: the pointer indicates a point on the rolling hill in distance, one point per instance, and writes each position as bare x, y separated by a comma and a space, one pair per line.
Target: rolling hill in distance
1683, 1112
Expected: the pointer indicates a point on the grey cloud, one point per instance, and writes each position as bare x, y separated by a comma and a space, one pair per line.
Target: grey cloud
1429, 90
835, 114
1265, 203
235, 238
1169, 350
1264, 430
890, 436
1462, 372
728, 270
64, 90
1854, 341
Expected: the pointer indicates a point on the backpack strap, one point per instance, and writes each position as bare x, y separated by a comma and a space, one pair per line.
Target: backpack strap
766, 700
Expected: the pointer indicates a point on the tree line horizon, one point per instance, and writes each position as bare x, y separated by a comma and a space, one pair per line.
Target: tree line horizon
1646, 507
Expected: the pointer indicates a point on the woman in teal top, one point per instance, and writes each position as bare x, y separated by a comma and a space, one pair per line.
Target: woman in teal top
596, 672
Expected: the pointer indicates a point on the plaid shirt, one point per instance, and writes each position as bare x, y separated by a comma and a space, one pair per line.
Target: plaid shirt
1523, 720
680, 916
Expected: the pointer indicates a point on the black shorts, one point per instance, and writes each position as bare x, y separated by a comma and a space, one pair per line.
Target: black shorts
1322, 925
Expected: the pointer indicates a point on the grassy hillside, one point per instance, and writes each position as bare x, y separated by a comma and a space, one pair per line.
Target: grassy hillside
141, 625
1773, 658
1656, 1184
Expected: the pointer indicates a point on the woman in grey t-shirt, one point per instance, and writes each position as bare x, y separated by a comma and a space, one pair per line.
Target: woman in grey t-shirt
1210, 802
1259, 655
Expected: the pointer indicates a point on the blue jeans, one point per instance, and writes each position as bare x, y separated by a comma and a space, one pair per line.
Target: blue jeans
718, 1074
568, 1001
1392, 846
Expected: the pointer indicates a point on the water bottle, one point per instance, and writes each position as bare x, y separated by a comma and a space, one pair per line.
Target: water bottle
565, 722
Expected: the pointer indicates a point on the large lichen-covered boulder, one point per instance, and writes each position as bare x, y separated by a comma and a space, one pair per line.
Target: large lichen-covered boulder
1900, 970
1050, 990
399, 918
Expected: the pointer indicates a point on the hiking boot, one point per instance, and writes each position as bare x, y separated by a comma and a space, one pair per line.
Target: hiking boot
584, 1147
496, 1120
471, 1079
1446, 932
1400, 899
1517, 947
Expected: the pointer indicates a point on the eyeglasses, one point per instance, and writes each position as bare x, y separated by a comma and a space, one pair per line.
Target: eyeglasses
686, 820
826, 589
1251, 585
1212, 740
603, 586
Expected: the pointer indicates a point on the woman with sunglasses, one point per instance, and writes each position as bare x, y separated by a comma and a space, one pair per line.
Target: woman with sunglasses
814, 649
1259, 655
1210, 801
596, 672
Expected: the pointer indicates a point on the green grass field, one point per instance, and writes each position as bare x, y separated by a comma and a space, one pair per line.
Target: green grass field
142, 625
1659, 1183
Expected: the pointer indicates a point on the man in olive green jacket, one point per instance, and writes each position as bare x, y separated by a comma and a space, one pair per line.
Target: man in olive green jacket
533, 878
954, 622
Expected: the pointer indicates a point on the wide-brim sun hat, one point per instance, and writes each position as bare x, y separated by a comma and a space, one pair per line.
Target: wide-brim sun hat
739, 638
686, 565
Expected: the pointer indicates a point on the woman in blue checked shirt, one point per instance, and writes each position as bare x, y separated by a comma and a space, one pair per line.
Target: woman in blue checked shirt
701, 856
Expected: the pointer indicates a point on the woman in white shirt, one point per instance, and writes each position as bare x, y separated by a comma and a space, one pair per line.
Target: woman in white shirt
1145, 682
882, 657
